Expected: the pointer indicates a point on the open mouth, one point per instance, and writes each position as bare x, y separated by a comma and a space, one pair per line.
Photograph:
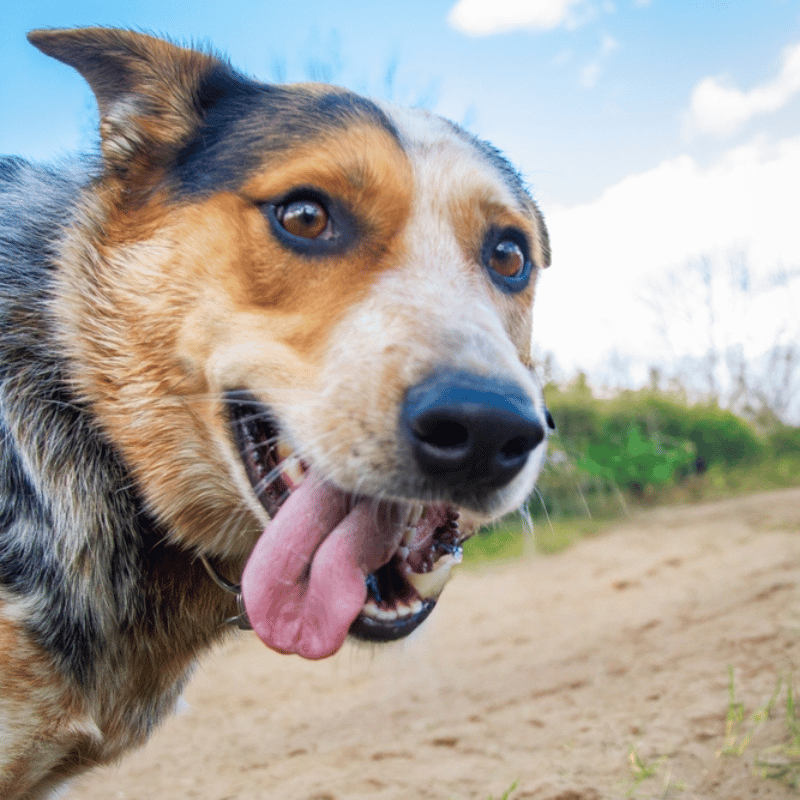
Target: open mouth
332, 563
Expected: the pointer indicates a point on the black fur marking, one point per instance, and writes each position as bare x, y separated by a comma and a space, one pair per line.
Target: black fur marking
10, 168
223, 83
18, 504
30, 568
343, 107
246, 123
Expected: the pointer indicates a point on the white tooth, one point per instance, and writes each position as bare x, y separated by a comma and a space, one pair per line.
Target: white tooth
293, 471
284, 450
430, 584
370, 609
403, 552
416, 513
403, 610
408, 610
408, 535
373, 610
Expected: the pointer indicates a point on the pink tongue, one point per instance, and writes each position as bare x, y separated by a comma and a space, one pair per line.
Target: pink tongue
293, 610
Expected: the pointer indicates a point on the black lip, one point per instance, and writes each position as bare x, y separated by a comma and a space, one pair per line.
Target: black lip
368, 629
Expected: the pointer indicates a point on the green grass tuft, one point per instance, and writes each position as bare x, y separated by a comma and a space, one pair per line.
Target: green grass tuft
779, 762
508, 793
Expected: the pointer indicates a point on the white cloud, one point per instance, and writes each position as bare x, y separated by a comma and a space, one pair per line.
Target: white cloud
591, 72
608, 44
485, 17
720, 109
607, 251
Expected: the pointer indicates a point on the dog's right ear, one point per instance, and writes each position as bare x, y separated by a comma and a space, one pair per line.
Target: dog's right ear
148, 91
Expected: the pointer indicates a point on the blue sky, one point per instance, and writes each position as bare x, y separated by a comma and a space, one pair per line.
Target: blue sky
652, 132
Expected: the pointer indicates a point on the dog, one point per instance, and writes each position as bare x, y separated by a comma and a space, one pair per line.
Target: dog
264, 363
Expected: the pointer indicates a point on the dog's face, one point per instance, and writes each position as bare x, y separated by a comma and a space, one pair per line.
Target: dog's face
300, 312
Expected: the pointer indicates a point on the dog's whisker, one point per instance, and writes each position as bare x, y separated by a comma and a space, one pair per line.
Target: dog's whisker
267, 481
266, 444
544, 509
527, 520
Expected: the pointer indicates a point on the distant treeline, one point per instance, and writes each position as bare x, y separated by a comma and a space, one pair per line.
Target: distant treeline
650, 446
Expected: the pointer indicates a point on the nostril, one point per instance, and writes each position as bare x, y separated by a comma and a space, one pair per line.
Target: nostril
518, 447
442, 434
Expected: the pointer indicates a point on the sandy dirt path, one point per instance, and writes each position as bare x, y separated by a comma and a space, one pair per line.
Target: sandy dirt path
546, 671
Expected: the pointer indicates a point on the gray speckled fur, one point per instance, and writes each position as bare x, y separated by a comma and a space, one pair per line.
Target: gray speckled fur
79, 556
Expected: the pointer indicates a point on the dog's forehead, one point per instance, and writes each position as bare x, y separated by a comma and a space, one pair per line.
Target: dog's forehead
428, 138
252, 124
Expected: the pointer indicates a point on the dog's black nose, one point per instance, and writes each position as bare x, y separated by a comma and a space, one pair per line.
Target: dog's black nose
468, 432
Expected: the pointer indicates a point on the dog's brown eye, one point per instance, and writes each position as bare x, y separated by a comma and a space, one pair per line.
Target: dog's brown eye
305, 218
309, 223
507, 259
506, 256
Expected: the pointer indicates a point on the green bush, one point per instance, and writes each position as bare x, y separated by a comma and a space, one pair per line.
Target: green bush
640, 441
718, 435
785, 441
634, 461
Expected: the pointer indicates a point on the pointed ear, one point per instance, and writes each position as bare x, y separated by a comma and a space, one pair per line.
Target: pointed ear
146, 89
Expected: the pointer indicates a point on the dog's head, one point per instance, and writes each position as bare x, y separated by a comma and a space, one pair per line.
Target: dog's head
301, 312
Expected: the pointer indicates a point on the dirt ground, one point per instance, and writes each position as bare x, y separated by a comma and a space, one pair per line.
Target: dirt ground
546, 672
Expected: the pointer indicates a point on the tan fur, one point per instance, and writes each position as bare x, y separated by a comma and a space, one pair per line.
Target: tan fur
40, 710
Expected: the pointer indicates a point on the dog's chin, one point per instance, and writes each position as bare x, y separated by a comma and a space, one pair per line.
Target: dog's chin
416, 543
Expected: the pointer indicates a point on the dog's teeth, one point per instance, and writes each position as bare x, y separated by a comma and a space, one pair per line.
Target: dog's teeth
293, 471
408, 535
429, 585
400, 611
412, 514
372, 609
404, 610
284, 449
